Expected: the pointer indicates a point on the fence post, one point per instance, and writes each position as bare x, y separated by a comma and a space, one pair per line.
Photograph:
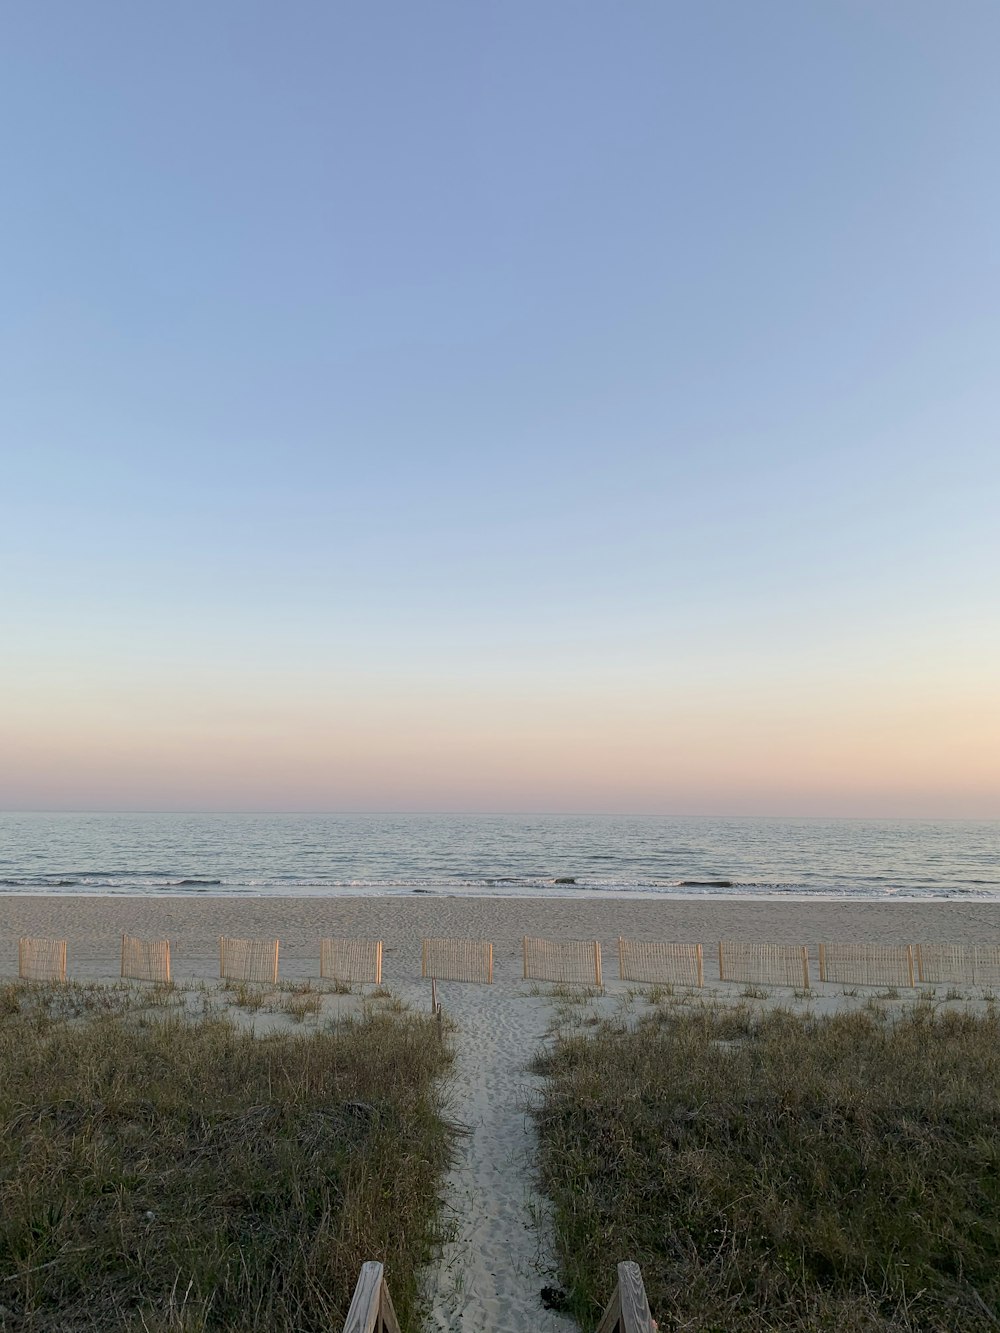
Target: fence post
701, 968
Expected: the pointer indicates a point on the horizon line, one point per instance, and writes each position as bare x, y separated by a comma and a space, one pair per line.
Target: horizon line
521, 814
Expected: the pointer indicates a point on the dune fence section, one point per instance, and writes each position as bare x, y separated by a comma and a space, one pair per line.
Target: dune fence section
867, 964
570, 962
248, 960
145, 960
766, 964
977, 964
663, 964
41, 960
351, 960
457, 960
573, 962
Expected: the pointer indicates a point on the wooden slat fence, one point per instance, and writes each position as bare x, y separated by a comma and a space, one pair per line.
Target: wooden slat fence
457, 960
628, 1309
371, 1308
145, 960
985, 965
351, 960
669, 964
867, 964
576, 962
974, 964
765, 964
41, 960
248, 960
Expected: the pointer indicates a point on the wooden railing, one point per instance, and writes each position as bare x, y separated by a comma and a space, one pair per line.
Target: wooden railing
371, 1308
628, 1309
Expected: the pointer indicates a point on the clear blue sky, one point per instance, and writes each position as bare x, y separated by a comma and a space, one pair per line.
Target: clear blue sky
584, 406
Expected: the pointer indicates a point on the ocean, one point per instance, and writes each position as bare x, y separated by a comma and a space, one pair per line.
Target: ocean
565, 855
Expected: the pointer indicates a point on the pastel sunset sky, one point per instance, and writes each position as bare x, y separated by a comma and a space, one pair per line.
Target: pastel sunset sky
525, 406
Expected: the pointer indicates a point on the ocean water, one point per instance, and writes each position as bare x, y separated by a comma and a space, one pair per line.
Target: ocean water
178, 854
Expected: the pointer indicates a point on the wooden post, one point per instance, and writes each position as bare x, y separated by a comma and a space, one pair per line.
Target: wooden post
378, 964
805, 966
701, 966
822, 962
386, 1310
722, 974
275, 976
920, 964
371, 1308
628, 1309
222, 955
598, 978
434, 995
635, 1308
909, 962
62, 961
167, 978
490, 966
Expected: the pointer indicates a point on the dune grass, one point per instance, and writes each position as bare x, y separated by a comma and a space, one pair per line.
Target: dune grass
161, 1173
778, 1172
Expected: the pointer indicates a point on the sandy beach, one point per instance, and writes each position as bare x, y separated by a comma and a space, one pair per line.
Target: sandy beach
490, 1273
93, 926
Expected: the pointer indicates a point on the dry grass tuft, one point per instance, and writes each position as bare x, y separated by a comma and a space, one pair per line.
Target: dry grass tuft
163, 1174
773, 1172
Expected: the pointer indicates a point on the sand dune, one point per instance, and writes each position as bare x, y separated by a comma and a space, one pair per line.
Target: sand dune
490, 1273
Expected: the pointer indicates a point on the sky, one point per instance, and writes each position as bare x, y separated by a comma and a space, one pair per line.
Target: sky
508, 407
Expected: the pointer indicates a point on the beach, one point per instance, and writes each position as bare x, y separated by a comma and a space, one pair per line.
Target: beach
93, 926
491, 1271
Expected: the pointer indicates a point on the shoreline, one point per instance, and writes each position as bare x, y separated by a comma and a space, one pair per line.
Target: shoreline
963, 897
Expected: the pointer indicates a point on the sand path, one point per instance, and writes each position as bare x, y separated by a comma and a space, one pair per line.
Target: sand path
490, 1275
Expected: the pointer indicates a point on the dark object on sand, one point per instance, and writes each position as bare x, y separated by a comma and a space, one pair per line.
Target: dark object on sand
554, 1298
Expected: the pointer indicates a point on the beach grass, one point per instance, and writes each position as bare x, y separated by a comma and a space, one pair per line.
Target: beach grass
159, 1172
778, 1172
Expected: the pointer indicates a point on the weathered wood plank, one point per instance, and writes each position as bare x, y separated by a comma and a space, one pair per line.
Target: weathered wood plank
635, 1316
612, 1315
390, 1324
364, 1314
628, 1309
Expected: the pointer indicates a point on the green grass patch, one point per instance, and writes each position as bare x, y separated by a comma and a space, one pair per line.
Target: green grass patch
159, 1173
774, 1172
